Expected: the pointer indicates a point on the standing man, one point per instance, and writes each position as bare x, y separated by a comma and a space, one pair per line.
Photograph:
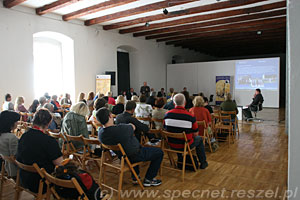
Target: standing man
145, 89
130, 94
179, 120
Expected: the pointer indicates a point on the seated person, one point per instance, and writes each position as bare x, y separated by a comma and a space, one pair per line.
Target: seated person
74, 123
8, 140
35, 104
257, 99
135, 98
111, 100
179, 120
54, 125
130, 94
159, 112
112, 134
55, 103
19, 107
66, 100
151, 99
119, 107
7, 105
161, 93
170, 104
229, 105
126, 118
207, 106
189, 102
143, 110
35, 146
201, 113
42, 101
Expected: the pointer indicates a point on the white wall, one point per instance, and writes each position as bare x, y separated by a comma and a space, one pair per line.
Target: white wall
201, 77
294, 95
95, 52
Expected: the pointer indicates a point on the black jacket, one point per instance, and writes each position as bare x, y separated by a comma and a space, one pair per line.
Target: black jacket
256, 100
118, 109
129, 95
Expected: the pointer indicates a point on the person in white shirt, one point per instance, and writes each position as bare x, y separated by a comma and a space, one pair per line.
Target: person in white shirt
143, 110
8, 105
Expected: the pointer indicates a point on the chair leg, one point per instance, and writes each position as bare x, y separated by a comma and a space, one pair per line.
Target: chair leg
209, 143
183, 166
2, 179
121, 179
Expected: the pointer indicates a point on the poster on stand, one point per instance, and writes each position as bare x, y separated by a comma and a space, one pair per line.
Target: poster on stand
222, 88
103, 84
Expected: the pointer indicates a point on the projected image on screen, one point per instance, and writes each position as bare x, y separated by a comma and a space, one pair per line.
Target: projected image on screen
258, 73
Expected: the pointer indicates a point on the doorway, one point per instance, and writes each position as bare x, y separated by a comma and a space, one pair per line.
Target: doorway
123, 71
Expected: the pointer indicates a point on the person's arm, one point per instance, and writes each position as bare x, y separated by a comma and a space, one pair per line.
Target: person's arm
133, 126
13, 145
57, 162
139, 125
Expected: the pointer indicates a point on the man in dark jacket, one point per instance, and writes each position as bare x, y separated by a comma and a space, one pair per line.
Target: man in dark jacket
145, 90
255, 105
122, 134
126, 118
130, 93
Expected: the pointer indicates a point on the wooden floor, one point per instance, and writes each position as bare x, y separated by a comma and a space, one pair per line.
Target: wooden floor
256, 165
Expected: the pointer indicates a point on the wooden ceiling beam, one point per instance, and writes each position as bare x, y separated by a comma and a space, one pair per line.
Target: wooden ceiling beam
135, 11
189, 11
221, 27
196, 19
213, 23
229, 35
215, 33
12, 3
95, 8
54, 6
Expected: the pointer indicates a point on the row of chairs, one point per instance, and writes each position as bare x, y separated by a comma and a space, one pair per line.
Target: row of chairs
46, 178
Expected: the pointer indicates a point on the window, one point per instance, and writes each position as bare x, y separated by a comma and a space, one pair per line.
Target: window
53, 64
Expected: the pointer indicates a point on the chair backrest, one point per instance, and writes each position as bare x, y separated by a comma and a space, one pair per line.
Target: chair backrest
157, 120
111, 147
144, 118
260, 107
202, 123
87, 141
29, 168
71, 138
167, 135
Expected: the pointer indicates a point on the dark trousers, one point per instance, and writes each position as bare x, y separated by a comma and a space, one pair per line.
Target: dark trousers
153, 154
247, 111
198, 143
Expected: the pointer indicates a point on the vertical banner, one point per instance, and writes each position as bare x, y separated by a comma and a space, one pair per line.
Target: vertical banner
103, 84
222, 88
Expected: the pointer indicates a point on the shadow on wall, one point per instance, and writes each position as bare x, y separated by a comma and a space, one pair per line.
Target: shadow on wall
177, 59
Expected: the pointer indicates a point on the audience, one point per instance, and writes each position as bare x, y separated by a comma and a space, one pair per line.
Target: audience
81, 97
131, 93
161, 93
111, 100
201, 113
143, 110
8, 140
42, 101
179, 120
170, 105
189, 102
7, 105
145, 89
207, 106
74, 123
19, 107
151, 100
119, 107
171, 91
55, 103
35, 146
35, 104
123, 134
127, 118
229, 105
90, 99
66, 100
159, 112
135, 99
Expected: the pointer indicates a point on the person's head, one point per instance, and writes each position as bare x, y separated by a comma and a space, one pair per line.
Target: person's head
179, 100
152, 89
186, 95
91, 96
42, 100
257, 91
19, 101
198, 101
201, 94
8, 121
49, 107
81, 96
7, 97
228, 97
162, 89
184, 89
145, 83
135, 98
80, 108
42, 118
54, 97
171, 90
130, 106
99, 103
120, 100
35, 104
143, 98
109, 94
67, 95
159, 103
131, 90
103, 115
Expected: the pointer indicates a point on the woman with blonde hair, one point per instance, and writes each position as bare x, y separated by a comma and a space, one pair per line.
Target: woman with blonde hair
74, 123
119, 107
135, 98
81, 97
200, 112
19, 107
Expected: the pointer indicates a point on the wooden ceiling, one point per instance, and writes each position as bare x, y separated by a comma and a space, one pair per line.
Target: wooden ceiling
221, 28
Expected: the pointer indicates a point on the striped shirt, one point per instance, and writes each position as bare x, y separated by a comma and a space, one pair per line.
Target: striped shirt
179, 120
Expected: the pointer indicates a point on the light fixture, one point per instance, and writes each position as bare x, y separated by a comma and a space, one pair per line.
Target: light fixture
259, 32
165, 11
147, 24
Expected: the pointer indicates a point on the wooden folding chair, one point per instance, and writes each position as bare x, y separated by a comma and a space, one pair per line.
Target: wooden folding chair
88, 153
224, 124
234, 121
96, 125
153, 120
205, 136
145, 119
186, 151
72, 150
121, 168
4, 174
33, 169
